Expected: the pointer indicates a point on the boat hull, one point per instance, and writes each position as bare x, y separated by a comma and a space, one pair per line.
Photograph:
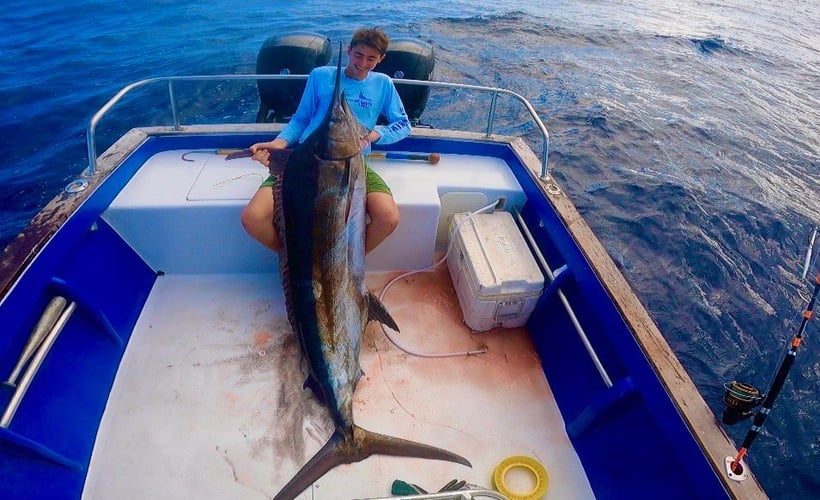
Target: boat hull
638, 428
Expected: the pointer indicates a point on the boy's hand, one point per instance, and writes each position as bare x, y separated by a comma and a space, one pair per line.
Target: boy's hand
261, 150
369, 139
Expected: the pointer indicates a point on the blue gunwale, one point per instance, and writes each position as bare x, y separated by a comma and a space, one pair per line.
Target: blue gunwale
63, 412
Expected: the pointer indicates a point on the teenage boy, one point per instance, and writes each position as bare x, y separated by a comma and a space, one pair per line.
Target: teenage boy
369, 94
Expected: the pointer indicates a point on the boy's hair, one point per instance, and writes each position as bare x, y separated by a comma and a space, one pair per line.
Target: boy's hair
372, 37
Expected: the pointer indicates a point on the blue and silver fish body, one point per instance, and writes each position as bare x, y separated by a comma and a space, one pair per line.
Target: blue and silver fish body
322, 200
320, 215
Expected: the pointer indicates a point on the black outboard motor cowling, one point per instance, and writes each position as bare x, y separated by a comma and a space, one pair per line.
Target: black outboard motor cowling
411, 59
294, 53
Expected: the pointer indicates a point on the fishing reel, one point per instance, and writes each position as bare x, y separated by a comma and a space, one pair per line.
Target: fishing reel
740, 401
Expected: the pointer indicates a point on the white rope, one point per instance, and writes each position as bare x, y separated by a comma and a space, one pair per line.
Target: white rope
430, 268
232, 179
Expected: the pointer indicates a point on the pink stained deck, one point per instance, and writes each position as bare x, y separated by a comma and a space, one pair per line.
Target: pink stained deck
209, 399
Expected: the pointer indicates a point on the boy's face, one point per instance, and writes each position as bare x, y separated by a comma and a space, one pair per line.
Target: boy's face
362, 59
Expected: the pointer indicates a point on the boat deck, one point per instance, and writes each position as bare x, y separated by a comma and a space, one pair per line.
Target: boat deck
209, 403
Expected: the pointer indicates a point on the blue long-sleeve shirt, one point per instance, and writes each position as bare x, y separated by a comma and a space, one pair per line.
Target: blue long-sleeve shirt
366, 98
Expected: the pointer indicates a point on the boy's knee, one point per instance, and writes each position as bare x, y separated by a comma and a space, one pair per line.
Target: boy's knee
261, 228
249, 220
384, 211
394, 219
391, 217
245, 218
388, 218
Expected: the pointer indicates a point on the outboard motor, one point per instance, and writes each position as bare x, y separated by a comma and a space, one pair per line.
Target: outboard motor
289, 54
411, 59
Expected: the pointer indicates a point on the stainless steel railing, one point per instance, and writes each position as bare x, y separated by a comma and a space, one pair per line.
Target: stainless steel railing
51, 323
177, 124
552, 274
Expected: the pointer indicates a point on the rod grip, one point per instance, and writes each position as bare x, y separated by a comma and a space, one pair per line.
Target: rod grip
431, 158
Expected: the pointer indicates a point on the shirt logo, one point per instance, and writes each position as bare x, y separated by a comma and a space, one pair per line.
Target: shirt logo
363, 101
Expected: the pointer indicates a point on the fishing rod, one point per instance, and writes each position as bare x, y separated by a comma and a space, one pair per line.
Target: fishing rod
741, 399
807, 263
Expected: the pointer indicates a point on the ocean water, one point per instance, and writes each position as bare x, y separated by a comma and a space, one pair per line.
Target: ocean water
685, 134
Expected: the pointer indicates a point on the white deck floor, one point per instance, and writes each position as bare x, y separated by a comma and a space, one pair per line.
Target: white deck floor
208, 402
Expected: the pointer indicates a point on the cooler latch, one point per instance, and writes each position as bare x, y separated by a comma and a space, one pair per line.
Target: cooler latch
506, 309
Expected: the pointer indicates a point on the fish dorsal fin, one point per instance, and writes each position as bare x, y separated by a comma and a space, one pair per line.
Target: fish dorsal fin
377, 312
278, 160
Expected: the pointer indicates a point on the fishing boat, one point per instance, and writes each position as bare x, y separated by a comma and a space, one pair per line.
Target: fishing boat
146, 351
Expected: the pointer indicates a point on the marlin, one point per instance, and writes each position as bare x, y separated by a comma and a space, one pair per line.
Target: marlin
320, 216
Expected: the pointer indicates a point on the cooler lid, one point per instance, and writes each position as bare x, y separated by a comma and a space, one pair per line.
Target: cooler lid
497, 256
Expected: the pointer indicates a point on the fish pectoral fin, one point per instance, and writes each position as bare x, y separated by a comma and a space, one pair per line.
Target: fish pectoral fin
377, 312
278, 159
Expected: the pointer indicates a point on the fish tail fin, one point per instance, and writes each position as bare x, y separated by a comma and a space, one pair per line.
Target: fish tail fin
355, 447
372, 443
331, 455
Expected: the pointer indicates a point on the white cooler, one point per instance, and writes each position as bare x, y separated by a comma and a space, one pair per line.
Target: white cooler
494, 273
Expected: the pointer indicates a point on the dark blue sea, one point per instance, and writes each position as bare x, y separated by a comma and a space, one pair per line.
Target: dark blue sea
687, 135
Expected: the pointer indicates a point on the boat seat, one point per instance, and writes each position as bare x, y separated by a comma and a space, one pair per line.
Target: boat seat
181, 210
429, 195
